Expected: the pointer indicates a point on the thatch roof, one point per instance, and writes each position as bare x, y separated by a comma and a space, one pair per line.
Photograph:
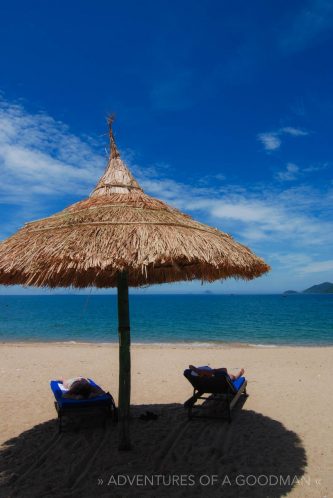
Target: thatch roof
120, 227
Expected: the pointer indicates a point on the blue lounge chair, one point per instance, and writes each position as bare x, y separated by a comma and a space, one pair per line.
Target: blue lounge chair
220, 388
103, 404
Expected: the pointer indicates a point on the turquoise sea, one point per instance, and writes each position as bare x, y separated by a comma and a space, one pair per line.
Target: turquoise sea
250, 319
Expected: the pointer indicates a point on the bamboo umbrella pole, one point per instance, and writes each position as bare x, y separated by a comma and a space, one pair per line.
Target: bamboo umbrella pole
119, 226
124, 361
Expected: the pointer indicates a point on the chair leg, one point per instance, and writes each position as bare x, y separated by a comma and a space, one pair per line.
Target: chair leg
189, 404
229, 410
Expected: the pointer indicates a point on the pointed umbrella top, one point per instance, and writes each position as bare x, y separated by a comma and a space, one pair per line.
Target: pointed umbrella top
117, 178
113, 146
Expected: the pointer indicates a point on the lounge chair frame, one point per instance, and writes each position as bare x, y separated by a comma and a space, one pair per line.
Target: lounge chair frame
220, 389
106, 409
102, 406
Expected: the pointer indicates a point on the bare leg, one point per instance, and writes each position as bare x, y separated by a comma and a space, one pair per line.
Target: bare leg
235, 377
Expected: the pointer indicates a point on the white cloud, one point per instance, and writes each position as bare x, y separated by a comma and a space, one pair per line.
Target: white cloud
270, 141
315, 167
39, 156
262, 215
243, 209
318, 266
296, 132
292, 261
42, 161
289, 174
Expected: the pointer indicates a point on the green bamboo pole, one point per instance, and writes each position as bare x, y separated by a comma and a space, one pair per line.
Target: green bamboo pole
124, 362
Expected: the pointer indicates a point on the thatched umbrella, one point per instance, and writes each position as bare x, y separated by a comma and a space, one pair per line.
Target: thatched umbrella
120, 237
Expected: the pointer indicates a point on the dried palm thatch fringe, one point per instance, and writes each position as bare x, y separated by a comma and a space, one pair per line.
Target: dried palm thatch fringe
120, 227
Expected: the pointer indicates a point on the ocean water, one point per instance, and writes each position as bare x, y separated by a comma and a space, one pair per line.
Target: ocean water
256, 319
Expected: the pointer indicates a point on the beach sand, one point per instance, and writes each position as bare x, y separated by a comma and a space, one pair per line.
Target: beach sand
283, 429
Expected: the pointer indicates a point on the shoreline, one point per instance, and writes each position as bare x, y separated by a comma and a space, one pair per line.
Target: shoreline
282, 293
175, 344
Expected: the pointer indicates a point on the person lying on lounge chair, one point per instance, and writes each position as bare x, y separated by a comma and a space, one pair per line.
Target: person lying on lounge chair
211, 372
80, 388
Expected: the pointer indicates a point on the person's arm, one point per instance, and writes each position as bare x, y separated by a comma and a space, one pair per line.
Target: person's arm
218, 370
202, 372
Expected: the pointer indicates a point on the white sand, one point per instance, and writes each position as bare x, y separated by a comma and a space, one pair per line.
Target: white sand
284, 428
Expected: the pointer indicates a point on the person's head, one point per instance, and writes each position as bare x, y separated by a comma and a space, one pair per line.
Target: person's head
81, 387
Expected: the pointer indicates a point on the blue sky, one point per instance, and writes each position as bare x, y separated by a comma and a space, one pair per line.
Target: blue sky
224, 110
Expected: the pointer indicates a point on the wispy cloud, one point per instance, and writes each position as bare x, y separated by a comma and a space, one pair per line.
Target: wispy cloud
318, 266
42, 162
272, 140
295, 132
291, 261
293, 172
289, 174
315, 167
267, 215
304, 267
40, 157
311, 25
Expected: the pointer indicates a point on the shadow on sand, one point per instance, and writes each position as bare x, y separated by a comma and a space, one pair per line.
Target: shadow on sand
253, 456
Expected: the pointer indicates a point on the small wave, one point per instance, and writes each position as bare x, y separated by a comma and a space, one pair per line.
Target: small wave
194, 344
263, 345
